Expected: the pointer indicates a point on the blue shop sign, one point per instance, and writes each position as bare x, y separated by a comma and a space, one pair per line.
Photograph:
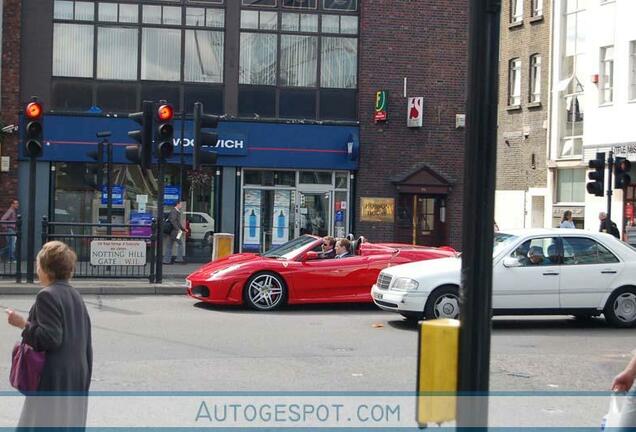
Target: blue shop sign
171, 195
117, 194
68, 138
141, 224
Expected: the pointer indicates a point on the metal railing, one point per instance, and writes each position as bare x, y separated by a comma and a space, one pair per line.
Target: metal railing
80, 237
11, 249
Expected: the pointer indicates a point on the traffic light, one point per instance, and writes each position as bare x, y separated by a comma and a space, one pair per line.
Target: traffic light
141, 153
203, 138
164, 133
622, 166
95, 174
33, 129
595, 187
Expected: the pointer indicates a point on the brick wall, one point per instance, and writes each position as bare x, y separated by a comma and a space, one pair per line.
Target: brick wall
427, 43
10, 103
522, 132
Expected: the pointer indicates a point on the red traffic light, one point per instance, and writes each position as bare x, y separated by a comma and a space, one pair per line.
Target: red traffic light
33, 110
165, 113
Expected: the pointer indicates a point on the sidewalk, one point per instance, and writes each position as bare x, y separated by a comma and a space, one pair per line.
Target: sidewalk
173, 284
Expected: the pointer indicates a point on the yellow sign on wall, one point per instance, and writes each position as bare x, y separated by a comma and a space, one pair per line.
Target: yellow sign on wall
377, 209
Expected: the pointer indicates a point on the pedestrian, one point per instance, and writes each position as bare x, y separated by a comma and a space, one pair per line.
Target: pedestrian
174, 234
623, 383
607, 226
58, 325
566, 220
10, 217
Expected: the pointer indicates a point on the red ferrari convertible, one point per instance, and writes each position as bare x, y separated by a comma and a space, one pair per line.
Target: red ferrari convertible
294, 273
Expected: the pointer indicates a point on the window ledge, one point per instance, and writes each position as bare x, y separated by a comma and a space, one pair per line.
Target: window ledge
606, 104
515, 24
536, 19
535, 104
631, 101
513, 108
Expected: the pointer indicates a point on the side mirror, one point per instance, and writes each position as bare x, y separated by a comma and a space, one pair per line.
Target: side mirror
511, 262
310, 256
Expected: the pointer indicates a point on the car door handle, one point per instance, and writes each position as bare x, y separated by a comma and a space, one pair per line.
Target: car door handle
550, 274
608, 271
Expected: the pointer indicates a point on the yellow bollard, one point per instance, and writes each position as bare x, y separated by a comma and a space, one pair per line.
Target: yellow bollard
437, 370
223, 245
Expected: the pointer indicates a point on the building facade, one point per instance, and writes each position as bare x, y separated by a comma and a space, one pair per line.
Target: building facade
524, 101
293, 80
594, 99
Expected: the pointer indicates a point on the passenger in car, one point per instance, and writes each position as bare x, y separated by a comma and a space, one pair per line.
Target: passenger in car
553, 255
521, 253
328, 248
343, 249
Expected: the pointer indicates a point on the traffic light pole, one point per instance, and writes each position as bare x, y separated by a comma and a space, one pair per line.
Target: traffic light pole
610, 169
31, 220
109, 184
160, 223
480, 162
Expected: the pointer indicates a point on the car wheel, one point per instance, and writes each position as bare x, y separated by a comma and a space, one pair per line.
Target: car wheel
207, 239
265, 291
620, 310
443, 303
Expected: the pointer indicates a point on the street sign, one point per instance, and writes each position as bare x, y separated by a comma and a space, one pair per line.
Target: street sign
171, 195
118, 253
414, 113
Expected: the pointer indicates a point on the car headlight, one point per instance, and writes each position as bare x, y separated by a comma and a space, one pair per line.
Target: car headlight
404, 284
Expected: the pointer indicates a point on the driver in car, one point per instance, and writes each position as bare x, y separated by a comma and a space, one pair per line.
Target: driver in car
536, 257
328, 248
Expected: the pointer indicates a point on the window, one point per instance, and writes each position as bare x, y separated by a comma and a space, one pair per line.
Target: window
259, 20
580, 250
537, 8
535, 78
73, 50
339, 62
257, 62
117, 53
514, 82
298, 60
203, 60
166, 15
538, 252
340, 5
632, 70
116, 12
74, 10
161, 54
300, 4
516, 11
295, 22
200, 17
571, 185
606, 79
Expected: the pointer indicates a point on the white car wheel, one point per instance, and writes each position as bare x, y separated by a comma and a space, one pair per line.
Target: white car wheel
621, 308
443, 303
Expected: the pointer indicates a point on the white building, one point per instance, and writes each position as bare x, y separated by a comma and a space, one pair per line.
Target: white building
593, 105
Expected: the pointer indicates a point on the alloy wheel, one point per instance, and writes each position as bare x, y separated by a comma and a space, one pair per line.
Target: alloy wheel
625, 307
265, 291
446, 306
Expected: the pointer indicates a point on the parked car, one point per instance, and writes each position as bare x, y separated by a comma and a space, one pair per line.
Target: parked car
201, 226
572, 272
293, 273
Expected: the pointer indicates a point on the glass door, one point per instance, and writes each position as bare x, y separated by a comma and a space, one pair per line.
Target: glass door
314, 215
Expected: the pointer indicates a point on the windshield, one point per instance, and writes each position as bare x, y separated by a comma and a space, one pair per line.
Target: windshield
291, 248
501, 241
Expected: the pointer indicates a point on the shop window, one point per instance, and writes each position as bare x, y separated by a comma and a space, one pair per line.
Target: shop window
252, 177
257, 101
285, 178
72, 95
269, 178
117, 97
315, 177
342, 180
338, 105
297, 104
210, 97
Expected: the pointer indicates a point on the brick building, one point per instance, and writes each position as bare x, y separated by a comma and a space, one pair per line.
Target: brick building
523, 114
10, 98
419, 170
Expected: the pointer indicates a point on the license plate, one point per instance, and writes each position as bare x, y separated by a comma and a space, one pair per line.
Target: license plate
378, 296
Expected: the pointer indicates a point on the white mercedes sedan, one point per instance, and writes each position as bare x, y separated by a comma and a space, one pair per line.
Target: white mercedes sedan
535, 272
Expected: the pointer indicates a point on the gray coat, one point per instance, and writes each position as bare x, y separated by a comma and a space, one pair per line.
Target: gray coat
175, 220
60, 326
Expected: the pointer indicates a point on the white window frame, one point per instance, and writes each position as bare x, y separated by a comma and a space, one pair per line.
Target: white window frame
606, 75
514, 82
537, 8
632, 72
534, 94
516, 11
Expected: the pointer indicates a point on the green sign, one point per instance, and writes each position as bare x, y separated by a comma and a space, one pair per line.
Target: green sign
381, 104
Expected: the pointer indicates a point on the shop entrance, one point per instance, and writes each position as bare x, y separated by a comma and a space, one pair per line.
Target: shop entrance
418, 220
314, 216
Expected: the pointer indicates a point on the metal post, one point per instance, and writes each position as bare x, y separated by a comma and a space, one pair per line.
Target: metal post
18, 249
610, 169
160, 198
479, 202
109, 186
45, 229
153, 250
352, 204
218, 196
31, 220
